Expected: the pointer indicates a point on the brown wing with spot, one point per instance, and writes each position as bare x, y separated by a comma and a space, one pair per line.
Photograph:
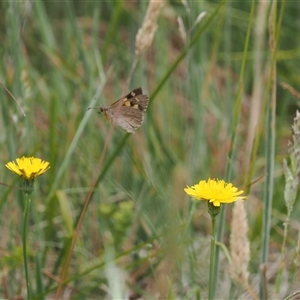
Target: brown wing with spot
128, 111
136, 98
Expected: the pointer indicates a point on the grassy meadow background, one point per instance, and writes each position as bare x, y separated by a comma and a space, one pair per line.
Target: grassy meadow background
212, 99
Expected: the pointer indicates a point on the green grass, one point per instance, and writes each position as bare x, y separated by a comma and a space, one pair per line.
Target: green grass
137, 235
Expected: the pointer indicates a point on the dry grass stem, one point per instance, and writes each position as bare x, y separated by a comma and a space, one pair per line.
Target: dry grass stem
256, 103
146, 33
239, 246
292, 174
7, 90
185, 4
181, 29
199, 18
294, 92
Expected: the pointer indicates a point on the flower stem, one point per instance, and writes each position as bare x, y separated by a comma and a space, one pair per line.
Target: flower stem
25, 221
212, 258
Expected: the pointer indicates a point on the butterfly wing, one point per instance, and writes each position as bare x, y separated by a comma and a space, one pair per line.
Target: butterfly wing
128, 112
130, 120
134, 96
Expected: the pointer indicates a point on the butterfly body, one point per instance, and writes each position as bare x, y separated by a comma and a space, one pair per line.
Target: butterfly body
127, 112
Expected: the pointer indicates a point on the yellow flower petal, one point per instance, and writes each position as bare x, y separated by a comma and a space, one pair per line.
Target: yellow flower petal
215, 191
28, 167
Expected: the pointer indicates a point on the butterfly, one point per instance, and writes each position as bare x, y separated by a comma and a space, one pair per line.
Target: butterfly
127, 112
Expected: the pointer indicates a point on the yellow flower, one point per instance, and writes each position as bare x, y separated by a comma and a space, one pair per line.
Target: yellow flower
214, 191
28, 167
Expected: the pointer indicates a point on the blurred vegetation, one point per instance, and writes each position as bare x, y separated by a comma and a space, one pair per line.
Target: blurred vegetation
58, 59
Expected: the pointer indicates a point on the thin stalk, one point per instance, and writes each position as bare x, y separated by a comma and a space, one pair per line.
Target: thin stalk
270, 144
212, 258
232, 147
25, 221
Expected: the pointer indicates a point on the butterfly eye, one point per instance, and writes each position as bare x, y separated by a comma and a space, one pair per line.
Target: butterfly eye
101, 110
